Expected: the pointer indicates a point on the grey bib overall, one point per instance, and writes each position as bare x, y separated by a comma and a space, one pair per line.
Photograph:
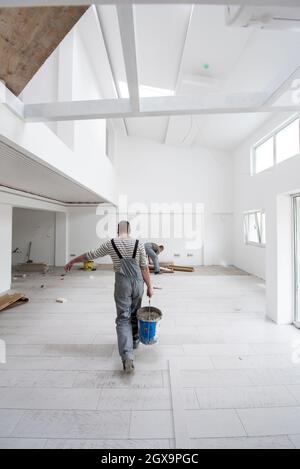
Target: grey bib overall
129, 290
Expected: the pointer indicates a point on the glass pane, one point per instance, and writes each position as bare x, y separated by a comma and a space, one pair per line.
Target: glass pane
297, 258
263, 228
264, 156
253, 236
288, 142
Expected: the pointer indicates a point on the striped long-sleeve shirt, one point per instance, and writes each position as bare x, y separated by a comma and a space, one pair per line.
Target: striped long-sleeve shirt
126, 248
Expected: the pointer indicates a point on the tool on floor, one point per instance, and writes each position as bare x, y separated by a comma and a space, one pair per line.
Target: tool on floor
148, 319
89, 266
29, 261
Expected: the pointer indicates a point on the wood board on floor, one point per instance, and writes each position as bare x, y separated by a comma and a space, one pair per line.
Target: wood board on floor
8, 301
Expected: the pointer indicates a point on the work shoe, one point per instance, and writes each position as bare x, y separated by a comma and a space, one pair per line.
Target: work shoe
136, 344
128, 366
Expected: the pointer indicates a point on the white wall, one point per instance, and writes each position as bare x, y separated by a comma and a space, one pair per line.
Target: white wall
269, 190
34, 226
5, 247
83, 235
149, 172
77, 149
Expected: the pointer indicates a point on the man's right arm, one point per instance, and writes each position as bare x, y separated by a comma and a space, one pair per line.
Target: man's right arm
89, 256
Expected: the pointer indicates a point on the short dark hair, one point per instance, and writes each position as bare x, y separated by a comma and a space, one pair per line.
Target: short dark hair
123, 227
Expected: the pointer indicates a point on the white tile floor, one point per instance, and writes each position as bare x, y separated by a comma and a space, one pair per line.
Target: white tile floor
61, 387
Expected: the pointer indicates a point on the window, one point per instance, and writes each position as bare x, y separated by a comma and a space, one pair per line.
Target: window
255, 228
282, 144
288, 142
264, 156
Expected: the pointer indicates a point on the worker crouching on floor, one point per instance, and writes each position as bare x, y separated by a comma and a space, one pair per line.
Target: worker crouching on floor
131, 271
153, 250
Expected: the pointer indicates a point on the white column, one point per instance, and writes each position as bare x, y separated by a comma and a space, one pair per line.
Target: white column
279, 260
5, 247
65, 130
61, 239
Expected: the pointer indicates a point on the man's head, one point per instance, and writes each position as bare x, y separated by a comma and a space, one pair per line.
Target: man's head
124, 228
161, 248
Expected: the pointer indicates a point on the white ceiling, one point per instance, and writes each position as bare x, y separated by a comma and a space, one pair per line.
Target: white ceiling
239, 59
20, 172
173, 49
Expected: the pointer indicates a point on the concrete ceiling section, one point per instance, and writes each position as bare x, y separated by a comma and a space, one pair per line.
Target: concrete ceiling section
28, 36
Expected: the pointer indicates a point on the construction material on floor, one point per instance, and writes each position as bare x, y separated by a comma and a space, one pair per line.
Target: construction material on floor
37, 268
89, 266
163, 270
8, 301
182, 268
148, 318
61, 300
171, 268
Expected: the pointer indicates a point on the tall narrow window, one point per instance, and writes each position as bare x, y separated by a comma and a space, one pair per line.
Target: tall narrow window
255, 228
288, 142
264, 156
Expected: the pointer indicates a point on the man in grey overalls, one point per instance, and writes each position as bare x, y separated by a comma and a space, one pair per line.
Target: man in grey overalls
131, 271
153, 250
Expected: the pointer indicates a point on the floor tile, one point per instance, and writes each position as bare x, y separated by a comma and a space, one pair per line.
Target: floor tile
115, 379
28, 378
8, 421
136, 399
108, 444
193, 378
214, 424
42, 398
267, 422
243, 443
22, 443
244, 397
73, 424
257, 362
148, 425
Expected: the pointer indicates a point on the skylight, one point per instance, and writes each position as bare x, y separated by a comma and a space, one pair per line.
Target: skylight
145, 91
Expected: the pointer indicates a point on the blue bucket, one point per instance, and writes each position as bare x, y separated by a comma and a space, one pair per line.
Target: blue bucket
148, 318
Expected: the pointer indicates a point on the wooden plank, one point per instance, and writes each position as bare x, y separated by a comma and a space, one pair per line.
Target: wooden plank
7, 301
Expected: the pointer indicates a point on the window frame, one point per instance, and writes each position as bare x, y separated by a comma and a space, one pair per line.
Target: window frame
272, 135
260, 243
296, 273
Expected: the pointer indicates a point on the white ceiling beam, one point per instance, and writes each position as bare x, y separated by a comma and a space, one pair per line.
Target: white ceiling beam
166, 106
127, 31
284, 86
180, 67
12, 102
26, 3
102, 34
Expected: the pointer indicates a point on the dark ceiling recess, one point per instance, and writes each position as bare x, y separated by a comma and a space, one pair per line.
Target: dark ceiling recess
28, 36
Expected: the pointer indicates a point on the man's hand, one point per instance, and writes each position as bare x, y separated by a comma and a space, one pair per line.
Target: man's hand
150, 292
69, 266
